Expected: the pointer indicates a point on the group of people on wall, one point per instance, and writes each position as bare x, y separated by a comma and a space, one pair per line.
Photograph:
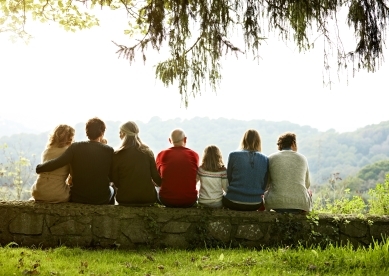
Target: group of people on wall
92, 172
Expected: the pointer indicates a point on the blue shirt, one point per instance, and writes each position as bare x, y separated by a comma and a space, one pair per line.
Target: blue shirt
247, 176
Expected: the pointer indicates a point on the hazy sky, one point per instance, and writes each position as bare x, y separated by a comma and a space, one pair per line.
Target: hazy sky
65, 77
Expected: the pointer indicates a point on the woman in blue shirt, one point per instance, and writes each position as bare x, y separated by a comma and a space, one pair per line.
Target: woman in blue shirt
247, 171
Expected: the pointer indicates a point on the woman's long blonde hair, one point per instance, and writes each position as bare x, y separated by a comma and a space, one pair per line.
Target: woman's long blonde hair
131, 138
251, 141
61, 136
212, 159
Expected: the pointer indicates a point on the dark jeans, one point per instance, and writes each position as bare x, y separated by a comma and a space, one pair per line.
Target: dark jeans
240, 206
109, 201
290, 211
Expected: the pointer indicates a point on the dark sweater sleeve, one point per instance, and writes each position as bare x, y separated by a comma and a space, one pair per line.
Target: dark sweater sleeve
154, 172
56, 163
229, 168
114, 173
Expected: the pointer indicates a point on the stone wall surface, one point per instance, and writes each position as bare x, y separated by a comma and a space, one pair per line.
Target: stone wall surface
81, 225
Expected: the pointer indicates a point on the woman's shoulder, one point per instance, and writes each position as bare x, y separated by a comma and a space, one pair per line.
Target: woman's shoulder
53, 152
236, 153
135, 151
219, 170
222, 171
260, 154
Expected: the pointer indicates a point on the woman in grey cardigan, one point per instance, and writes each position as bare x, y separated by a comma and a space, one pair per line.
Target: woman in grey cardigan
288, 183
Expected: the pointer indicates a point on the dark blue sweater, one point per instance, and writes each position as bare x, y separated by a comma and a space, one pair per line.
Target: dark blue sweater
247, 176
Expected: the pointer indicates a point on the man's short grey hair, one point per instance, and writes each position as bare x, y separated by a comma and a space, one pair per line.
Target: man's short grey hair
177, 135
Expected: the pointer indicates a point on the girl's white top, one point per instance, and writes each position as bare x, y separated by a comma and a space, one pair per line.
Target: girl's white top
212, 185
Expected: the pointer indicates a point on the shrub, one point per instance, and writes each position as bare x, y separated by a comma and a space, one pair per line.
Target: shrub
379, 198
342, 205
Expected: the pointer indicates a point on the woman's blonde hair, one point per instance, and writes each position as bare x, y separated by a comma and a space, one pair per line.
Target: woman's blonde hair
131, 138
251, 141
212, 159
61, 136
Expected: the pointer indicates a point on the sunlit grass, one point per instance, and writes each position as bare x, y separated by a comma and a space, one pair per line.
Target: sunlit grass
281, 261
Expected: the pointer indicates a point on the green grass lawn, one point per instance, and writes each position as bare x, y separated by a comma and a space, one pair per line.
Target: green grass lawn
281, 261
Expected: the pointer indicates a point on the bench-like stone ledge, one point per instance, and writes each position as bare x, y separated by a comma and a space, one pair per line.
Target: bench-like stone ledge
82, 225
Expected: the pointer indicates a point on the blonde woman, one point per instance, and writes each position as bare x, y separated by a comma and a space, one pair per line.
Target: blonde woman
134, 171
212, 175
51, 186
247, 171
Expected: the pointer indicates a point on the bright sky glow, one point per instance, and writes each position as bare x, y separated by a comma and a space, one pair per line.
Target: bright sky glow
63, 77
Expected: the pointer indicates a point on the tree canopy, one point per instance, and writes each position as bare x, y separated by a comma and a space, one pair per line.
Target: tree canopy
198, 33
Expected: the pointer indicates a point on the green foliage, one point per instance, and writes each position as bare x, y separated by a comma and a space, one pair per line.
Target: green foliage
15, 175
199, 33
372, 171
375, 202
195, 52
379, 198
343, 205
14, 15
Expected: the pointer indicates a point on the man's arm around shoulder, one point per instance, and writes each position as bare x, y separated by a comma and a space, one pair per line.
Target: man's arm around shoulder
56, 163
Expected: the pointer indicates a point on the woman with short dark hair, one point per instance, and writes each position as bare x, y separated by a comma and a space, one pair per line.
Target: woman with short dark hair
289, 182
247, 174
134, 171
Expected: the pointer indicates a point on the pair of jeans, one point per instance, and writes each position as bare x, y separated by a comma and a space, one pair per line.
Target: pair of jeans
240, 206
289, 211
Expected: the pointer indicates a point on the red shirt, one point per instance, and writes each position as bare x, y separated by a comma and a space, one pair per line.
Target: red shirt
178, 169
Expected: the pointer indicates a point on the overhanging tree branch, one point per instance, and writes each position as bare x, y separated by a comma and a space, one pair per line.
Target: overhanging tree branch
198, 33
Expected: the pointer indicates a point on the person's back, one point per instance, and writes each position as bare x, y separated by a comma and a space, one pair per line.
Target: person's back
51, 186
90, 163
212, 175
134, 169
247, 171
178, 169
288, 178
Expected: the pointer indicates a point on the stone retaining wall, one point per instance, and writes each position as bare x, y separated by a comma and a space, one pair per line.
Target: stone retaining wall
80, 225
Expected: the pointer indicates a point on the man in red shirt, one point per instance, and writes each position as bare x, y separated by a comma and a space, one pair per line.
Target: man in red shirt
178, 169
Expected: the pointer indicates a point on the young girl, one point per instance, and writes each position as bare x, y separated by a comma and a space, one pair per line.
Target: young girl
213, 178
